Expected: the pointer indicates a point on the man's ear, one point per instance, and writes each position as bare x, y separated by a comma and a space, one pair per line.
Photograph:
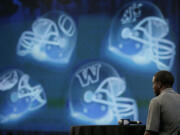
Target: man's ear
159, 85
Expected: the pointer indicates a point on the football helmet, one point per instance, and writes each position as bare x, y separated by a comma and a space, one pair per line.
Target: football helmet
52, 39
96, 95
140, 32
19, 95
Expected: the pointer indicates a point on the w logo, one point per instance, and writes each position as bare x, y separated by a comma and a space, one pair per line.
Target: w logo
88, 75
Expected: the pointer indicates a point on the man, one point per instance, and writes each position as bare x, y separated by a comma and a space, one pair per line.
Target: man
164, 109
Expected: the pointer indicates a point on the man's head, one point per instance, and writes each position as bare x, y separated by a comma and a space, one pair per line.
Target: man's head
162, 80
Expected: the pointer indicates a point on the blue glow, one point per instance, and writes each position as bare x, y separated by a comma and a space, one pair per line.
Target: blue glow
139, 32
52, 39
17, 2
96, 95
18, 96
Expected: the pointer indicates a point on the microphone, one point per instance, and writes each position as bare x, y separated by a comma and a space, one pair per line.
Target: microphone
128, 122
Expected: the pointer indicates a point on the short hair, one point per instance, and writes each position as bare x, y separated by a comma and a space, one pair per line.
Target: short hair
165, 78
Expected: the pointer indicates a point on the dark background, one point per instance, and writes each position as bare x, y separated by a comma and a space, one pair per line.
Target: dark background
93, 19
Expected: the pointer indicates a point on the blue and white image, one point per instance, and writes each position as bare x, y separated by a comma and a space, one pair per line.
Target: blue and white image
19, 95
51, 40
140, 33
96, 95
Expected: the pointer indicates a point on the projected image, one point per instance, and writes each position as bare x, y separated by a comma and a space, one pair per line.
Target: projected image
96, 95
140, 33
51, 40
19, 95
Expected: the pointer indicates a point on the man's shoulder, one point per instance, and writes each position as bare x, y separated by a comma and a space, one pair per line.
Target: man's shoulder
169, 93
155, 100
159, 98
